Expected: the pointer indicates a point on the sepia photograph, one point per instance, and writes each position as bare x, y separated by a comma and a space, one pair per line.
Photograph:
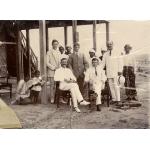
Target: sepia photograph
74, 74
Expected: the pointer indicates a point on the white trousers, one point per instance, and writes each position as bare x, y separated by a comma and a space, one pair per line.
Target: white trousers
96, 87
114, 89
75, 92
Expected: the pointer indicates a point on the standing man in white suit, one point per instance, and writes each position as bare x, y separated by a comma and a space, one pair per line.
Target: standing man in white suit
95, 75
114, 67
53, 63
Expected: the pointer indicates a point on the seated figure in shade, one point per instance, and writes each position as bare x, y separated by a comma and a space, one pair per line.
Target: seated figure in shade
68, 82
95, 75
37, 84
23, 91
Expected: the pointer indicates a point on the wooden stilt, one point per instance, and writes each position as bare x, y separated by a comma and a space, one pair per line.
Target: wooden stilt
47, 39
74, 30
94, 35
42, 34
28, 51
19, 57
65, 36
107, 32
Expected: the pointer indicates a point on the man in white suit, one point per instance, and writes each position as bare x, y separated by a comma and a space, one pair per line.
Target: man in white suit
53, 63
96, 77
114, 67
69, 82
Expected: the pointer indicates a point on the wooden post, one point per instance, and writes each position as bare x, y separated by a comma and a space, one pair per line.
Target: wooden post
47, 39
19, 57
28, 51
65, 36
94, 35
42, 34
107, 32
74, 31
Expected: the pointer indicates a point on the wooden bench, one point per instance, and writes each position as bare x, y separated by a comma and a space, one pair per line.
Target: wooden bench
5, 87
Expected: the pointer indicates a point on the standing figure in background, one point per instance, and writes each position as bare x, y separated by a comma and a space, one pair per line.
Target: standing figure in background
37, 84
103, 51
91, 56
53, 63
62, 52
129, 72
68, 50
114, 68
78, 64
96, 77
23, 91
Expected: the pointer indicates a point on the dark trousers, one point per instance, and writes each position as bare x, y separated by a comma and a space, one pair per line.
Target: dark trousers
83, 88
128, 73
34, 96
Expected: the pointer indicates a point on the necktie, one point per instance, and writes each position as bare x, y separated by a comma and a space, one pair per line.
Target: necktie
95, 71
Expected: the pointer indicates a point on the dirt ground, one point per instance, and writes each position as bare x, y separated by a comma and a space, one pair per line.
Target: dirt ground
48, 116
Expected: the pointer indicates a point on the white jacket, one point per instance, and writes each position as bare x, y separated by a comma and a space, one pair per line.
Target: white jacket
114, 64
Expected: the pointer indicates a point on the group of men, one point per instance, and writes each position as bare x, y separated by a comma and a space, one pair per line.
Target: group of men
75, 72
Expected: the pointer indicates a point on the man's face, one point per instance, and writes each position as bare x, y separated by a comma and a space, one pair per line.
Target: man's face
64, 63
26, 78
92, 54
95, 63
61, 50
103, 52
76, 48
127, 50
110, 46
37, 74
69, 50
55, 45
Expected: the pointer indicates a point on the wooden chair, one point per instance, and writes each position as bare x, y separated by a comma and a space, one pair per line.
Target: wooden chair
60, 93
4, 87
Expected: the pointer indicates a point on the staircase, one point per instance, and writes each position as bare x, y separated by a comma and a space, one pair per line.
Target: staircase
26, 53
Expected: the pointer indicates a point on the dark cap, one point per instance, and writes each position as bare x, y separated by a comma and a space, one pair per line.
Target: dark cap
127, 46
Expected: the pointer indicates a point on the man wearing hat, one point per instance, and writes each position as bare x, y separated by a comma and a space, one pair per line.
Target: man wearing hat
91, 56
129, 71
113, 69
102, 52
78, 64
68, 50
62, 52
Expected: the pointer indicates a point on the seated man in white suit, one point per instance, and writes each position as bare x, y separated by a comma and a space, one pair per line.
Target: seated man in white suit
95, 75
68, 82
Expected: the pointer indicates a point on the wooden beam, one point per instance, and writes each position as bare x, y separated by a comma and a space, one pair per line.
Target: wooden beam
107, 32
47, 39
19, 57
28, 51
65, 36
74, 31
94, 35
42, 34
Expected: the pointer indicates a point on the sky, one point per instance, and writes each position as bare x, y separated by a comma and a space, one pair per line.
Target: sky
135, 33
